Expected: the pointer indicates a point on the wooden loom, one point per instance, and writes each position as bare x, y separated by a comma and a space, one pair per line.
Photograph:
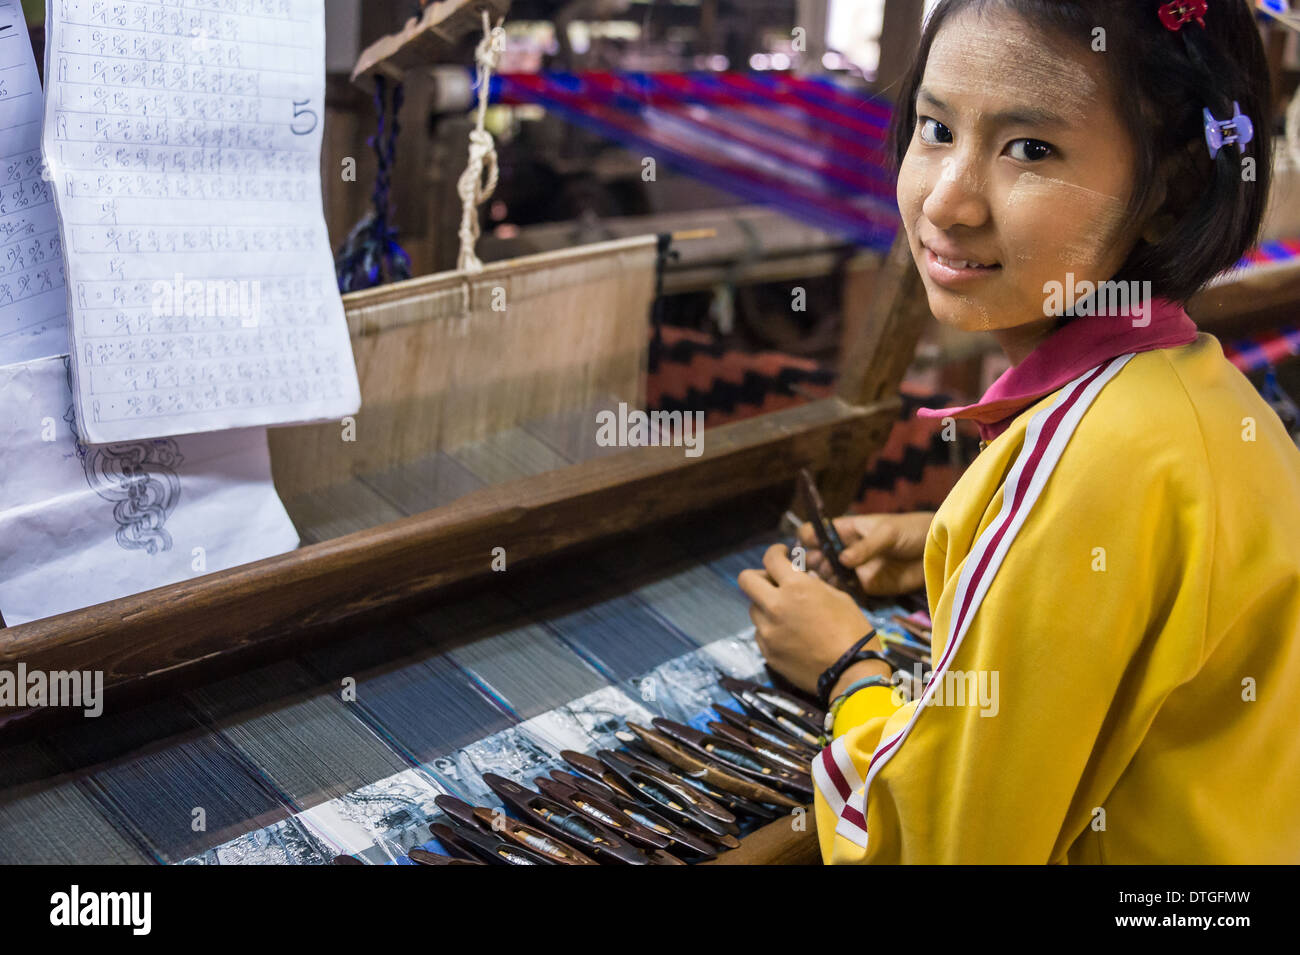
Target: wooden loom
383, 573
435, 381
451, 366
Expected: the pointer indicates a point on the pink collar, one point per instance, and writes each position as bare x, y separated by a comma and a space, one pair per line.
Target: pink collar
1082, 344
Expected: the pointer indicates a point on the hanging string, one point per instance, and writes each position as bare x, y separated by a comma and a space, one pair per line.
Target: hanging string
371, 255
472, 187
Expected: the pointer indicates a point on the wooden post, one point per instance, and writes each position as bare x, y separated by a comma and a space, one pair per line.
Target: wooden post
900, 34
884, 314
812, 16
881, 333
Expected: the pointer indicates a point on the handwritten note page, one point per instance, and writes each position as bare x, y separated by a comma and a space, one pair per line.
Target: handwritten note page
33, 303
184, 141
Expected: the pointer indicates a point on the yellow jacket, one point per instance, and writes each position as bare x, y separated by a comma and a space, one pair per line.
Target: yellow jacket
1138, 641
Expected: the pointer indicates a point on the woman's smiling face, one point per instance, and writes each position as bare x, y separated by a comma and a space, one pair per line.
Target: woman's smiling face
1019, 171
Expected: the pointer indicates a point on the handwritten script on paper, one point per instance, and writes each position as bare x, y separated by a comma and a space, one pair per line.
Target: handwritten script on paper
183, 137
33, 303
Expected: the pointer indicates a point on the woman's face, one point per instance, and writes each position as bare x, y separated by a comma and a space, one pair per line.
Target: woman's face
1018, 172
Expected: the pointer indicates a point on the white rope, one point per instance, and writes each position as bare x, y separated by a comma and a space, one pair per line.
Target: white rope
473, 189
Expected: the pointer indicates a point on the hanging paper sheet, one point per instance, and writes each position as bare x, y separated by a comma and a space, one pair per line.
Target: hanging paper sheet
184, 143
33, 302
82, 524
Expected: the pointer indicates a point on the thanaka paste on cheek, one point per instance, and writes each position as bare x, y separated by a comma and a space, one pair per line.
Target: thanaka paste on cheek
1084, 226
1043, 227
912, 185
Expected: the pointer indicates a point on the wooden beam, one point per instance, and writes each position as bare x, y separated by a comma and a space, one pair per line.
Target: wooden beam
163, 631
743, 234
900, 35
777, 843
1259, 297
425, 40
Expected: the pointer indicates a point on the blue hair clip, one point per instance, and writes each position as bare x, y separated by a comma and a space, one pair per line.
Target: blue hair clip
1237, 131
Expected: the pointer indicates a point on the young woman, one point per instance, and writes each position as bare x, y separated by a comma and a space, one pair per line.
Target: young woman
1120, 565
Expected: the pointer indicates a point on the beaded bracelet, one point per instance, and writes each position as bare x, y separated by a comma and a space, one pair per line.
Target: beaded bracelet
829, 724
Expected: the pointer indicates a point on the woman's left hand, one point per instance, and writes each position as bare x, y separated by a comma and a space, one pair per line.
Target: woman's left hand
802, 623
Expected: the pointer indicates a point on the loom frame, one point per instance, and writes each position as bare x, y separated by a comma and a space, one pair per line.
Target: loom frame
150, 641
172, 630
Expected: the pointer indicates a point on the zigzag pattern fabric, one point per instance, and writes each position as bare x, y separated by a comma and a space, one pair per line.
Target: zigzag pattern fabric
1271, 346
914, 471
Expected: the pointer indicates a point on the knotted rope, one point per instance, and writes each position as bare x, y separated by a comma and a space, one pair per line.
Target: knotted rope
473, 188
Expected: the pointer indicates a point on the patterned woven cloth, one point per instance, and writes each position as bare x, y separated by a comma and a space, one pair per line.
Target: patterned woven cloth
914, 470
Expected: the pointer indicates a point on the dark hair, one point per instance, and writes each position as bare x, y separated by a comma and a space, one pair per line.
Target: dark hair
1163, 79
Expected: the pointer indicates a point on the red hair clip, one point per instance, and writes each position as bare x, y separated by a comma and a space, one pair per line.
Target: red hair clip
1174, 14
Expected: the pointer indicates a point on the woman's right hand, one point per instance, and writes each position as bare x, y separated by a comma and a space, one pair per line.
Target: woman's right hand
885, 550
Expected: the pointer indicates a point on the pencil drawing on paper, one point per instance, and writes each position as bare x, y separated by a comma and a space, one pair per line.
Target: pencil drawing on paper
140, 480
